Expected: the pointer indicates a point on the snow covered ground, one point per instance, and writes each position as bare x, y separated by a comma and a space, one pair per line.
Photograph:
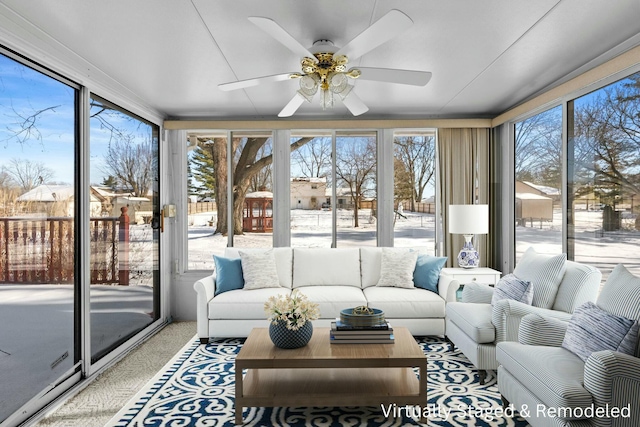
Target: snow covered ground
312, 228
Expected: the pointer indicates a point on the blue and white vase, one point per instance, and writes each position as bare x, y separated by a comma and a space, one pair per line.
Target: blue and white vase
282, 337
468, 256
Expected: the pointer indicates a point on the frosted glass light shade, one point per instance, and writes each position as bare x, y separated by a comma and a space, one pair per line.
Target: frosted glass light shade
468, 219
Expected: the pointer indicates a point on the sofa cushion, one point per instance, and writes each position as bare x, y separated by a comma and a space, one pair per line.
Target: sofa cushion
593, 329
284, 261
370, 262
259, 270
243, 303
396, 268
553, 374
401, 303
510, 287
545, 273
427, 272
332, 299
473, 319
228, 274
326, 266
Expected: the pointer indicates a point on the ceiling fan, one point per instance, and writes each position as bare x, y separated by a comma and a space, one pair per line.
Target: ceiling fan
324, 66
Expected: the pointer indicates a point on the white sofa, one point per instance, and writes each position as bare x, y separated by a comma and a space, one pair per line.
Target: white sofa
336, 279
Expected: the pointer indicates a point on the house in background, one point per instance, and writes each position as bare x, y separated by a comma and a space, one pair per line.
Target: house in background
308, 193
57, 200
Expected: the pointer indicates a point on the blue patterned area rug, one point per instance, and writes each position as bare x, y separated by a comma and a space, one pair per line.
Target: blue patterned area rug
196, 389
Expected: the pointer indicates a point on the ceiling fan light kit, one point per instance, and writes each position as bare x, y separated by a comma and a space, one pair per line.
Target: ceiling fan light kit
324, 66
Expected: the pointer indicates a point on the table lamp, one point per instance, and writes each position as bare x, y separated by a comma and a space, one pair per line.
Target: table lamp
468, 220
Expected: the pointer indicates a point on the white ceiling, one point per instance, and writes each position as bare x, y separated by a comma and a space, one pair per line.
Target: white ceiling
486, 56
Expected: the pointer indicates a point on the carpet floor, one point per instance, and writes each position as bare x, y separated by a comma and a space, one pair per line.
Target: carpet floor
97, 403
197, 389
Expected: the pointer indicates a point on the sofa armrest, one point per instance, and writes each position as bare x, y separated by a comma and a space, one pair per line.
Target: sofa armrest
613, 379
507, 314
205, 289
540, 330
447, 288
478, 293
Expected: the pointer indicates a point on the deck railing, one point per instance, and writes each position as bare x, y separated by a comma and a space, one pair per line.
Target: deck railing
42, 250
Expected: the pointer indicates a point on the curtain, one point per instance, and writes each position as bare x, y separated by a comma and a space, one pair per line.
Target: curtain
463, 162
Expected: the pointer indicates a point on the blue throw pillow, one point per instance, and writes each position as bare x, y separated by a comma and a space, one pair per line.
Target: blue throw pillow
427, 272
593, 329
228, 274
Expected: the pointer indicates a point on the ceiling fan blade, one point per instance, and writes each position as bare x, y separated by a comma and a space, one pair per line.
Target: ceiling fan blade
405, 77
384, 29
272, 28
292, 106
355, 104
242, 84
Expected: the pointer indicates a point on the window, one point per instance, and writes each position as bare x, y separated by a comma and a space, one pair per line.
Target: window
538, 183
604, 176
414, 160
310, 187
209, 222
356, 189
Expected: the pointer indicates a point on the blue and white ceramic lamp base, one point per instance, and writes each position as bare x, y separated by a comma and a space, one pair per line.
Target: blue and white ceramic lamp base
468, 256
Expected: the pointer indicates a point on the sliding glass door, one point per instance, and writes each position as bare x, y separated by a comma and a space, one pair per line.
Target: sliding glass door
124, 225
51, 334
39, 339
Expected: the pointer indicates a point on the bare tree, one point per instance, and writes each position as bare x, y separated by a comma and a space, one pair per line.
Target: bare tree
27, 174
538, 148
314, 159
132, 163
607, 140
25, 125
417, 154
356, 167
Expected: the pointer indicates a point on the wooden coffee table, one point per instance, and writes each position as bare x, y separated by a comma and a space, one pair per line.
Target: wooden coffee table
325, 374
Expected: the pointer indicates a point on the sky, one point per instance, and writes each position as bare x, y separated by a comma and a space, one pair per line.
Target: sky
32, 100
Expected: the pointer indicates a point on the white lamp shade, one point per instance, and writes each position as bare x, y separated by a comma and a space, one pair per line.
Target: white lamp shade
468, 219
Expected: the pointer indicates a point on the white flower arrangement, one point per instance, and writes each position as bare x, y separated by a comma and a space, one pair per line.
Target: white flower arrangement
295, 310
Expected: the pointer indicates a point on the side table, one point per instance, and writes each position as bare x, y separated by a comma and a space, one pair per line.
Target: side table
484, 275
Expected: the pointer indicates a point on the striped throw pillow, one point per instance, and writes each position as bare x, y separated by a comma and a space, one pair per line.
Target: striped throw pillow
545, 273
510, 287
592, 329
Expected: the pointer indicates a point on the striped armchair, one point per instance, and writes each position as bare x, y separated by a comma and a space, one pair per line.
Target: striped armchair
475, 326
561, 384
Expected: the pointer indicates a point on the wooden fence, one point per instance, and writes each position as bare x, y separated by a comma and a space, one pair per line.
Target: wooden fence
198, 207
42, 250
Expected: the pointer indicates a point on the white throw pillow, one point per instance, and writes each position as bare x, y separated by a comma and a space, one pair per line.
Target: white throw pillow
259, 270
396, 268
545, 273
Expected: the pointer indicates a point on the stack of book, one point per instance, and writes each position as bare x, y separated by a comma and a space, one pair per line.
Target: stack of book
344, 333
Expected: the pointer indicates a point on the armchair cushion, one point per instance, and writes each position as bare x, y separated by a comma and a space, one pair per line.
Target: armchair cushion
541, 330
592, 329
473, 319
621, 294
510, 287
475, 292
554, 375
545, 273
